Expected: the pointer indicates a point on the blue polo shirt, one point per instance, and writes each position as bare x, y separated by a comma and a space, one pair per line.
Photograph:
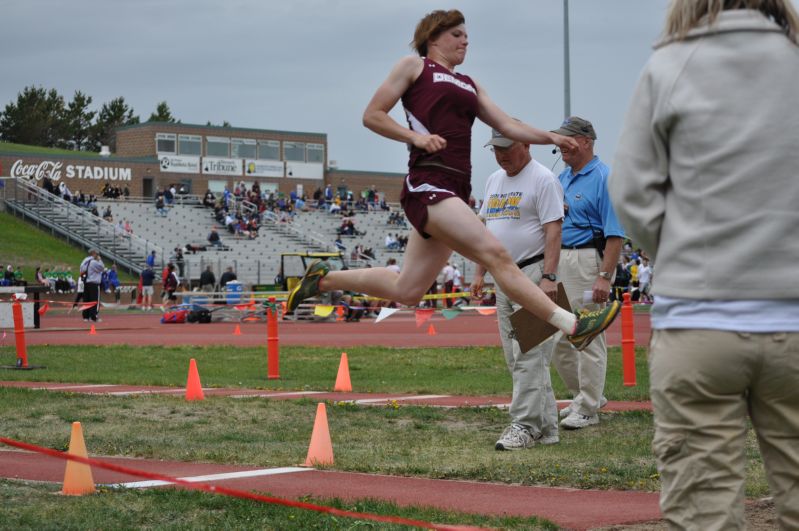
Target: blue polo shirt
587, 204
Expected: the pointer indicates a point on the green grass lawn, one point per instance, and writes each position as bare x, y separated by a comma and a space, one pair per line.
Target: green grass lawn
23, 244
9, 147
465, 371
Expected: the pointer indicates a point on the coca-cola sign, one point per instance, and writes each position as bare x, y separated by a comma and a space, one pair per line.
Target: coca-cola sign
37, 170
56, 171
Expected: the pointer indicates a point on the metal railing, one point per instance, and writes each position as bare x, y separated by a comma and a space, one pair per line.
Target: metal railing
77, 224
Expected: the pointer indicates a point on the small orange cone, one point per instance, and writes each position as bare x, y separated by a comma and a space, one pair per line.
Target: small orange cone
343, 378
431, 330
339, 313
320, 452
194, 389
77, 476
237, 331
92, 331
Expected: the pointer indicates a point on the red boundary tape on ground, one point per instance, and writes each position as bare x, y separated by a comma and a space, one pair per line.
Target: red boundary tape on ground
227, 491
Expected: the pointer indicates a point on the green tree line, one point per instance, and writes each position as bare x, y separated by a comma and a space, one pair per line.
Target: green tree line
42, 117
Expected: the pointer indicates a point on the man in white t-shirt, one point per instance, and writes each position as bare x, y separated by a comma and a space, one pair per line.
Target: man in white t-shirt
523, 208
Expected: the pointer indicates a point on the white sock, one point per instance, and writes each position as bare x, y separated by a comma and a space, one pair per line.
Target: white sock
565, 321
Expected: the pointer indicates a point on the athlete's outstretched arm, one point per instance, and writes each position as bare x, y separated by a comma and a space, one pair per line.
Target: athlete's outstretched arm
491, 114
376, 116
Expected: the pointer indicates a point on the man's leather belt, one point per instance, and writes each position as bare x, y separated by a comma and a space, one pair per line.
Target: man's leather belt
529, 261
588, 245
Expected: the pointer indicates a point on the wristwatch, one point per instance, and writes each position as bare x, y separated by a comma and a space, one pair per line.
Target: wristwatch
550, 276
604, 275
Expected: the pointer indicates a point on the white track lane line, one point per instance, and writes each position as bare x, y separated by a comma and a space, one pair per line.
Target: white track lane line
57, 387
393, 398
212, 477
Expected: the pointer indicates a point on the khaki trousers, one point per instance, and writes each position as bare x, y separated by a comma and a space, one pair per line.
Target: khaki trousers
583, 372
533, 404
703, 384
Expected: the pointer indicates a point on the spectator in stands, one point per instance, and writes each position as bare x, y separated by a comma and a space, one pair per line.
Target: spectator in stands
19, 279
339, 244
8, 276
151, 259
207, 280
179, 261
209, 200
40, 278
126, 192
230, 223
391, 265
226, 277
391, 242
47, 184
160, 206
64, 192
335, 205
213, 238
169, 195
147, 279
128, 227
384, 206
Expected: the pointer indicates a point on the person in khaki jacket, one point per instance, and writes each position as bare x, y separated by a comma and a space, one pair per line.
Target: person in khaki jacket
706, 180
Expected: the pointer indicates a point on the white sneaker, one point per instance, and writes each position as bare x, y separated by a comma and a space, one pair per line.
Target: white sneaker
515, 437
575, 421
566, 411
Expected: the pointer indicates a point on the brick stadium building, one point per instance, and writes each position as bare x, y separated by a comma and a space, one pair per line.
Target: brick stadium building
153, 155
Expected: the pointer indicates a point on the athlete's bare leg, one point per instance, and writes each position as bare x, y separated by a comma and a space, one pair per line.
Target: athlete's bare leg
423, 261
454, 224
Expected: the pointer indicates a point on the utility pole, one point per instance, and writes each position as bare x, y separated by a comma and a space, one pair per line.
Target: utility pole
566, 67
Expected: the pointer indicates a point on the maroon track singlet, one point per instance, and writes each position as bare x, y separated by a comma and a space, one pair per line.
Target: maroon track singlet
442, 103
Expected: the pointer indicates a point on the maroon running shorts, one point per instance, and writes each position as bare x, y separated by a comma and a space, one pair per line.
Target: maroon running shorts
425, 186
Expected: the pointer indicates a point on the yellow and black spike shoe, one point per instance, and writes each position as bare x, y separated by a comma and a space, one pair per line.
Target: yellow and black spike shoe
308, 286
591, 324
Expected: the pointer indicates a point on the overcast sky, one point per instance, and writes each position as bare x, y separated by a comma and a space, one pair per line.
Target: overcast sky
312, 65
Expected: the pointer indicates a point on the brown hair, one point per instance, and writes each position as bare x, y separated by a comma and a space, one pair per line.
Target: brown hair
432, 25
684, 15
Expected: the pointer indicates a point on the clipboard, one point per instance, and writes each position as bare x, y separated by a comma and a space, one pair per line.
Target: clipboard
529, 330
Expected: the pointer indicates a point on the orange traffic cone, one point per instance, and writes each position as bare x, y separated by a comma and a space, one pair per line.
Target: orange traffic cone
431, 330
343, 378
194, 389
237, 331
339, 313
92, 331
320, 452
77, 476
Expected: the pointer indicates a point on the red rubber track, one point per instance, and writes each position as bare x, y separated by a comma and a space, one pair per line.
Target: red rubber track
396, 331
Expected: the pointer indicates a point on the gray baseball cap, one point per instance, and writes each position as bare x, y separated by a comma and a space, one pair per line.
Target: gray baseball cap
497, 139
576, 126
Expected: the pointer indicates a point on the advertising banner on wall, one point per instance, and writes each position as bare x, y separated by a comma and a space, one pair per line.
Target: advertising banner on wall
264, 168
58, 170
218, 166
179, 164
305, 170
